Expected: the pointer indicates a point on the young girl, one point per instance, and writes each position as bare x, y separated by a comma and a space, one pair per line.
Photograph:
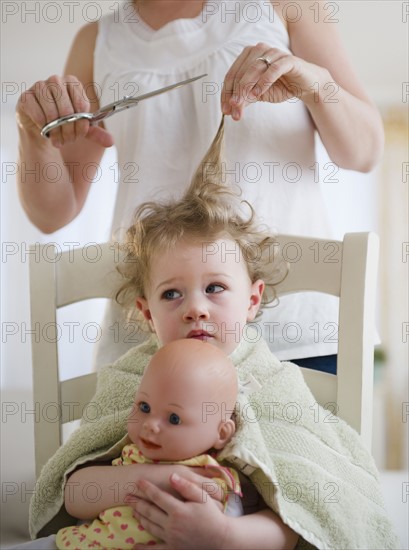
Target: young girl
182, 409
200, 267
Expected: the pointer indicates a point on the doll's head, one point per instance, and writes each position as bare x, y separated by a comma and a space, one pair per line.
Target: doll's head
185, 401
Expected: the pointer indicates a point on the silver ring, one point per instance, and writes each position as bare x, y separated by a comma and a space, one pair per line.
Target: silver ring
266, 60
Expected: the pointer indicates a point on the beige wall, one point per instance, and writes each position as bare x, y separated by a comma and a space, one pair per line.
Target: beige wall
374, 33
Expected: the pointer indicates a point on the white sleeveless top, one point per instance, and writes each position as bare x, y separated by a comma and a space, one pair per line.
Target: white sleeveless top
269, 153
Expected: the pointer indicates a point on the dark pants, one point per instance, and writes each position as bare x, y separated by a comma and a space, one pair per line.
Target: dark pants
325, 363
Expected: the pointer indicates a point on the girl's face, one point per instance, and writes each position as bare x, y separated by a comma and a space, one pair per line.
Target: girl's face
201, 290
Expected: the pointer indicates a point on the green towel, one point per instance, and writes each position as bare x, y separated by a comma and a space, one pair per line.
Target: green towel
317, 475
309, 466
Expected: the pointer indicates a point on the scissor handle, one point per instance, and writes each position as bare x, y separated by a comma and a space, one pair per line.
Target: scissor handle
45, 131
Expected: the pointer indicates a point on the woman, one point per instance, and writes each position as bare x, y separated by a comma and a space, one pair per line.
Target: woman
277, 67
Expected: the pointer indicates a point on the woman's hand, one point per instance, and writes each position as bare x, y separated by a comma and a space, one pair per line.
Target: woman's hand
262, 73
53, 98
195, 522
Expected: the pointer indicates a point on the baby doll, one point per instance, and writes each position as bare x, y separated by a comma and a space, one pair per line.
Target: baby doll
182, 410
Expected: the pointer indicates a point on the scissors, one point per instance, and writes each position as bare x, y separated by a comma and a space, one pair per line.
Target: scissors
112, 108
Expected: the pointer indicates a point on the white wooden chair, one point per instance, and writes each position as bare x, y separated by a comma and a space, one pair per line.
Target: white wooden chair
345, 269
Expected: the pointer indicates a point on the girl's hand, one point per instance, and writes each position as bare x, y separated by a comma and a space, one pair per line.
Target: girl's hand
55, 97
195, 523
281, 77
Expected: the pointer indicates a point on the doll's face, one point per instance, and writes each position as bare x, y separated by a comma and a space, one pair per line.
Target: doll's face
203, 291
178, 411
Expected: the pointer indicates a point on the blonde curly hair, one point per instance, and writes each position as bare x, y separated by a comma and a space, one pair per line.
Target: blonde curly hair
208, 211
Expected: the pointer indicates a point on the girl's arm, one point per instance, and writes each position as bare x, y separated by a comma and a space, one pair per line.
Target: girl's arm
261, 530
92, 489
199, 523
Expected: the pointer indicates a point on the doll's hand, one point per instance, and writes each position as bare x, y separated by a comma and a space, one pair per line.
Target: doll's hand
196, 522
281, 77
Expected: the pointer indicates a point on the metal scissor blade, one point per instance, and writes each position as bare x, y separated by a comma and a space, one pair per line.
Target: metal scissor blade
112, 108
130, 101
167, 88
